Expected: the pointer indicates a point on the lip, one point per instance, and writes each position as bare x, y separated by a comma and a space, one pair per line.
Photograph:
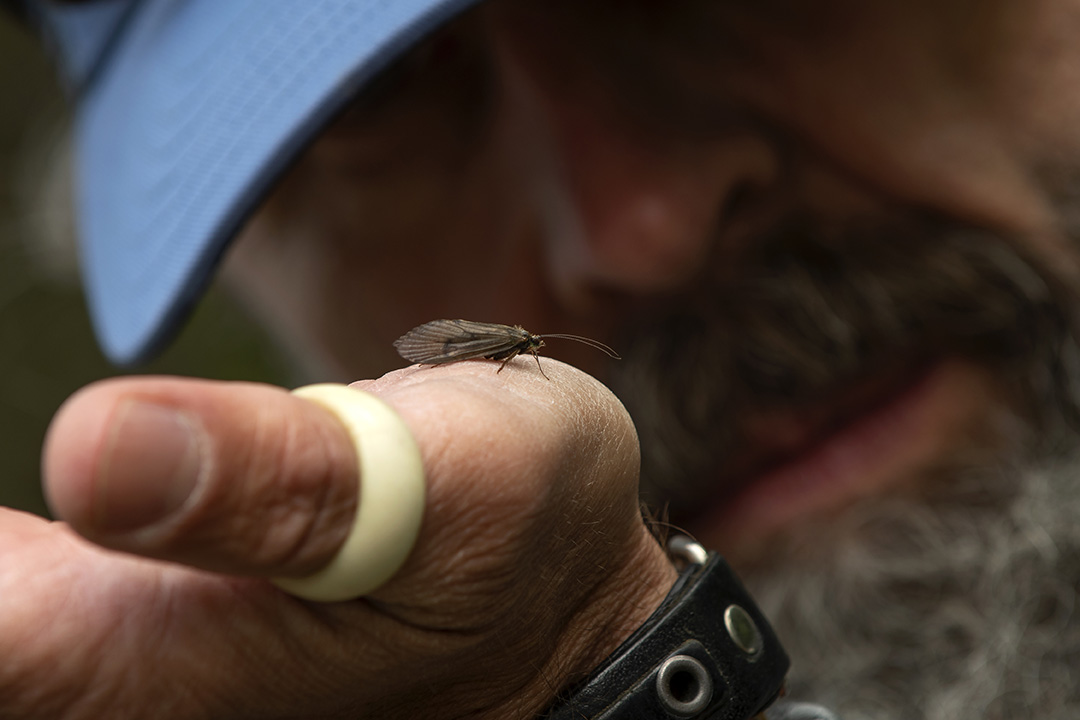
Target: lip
912, 428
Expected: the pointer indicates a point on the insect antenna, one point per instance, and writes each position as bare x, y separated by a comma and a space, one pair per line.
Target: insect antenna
587, 341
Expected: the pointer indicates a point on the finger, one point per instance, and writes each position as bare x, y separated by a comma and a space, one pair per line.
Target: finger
542, 465
533, 541
231, 477
530, 540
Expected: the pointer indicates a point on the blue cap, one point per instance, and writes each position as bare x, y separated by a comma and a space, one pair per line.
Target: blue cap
187, 111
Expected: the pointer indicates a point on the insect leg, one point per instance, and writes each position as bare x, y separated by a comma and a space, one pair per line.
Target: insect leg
517, 351
508, 358
537, 356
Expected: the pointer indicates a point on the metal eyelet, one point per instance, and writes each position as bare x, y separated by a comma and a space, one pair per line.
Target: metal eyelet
684, 686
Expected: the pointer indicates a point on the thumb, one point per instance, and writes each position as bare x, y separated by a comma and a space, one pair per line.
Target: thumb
232, 477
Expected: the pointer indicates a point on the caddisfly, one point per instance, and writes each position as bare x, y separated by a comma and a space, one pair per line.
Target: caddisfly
446, 341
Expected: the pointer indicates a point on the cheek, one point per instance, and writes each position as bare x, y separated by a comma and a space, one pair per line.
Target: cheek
340, 264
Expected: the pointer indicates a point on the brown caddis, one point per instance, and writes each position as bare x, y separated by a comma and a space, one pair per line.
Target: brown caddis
446, 341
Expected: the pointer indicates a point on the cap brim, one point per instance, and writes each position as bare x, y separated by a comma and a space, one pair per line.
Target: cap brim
199, 108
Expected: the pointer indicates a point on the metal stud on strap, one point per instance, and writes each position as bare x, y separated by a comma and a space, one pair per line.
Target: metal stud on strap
707, 652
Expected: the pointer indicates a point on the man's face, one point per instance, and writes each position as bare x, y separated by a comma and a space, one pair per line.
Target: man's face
833, 243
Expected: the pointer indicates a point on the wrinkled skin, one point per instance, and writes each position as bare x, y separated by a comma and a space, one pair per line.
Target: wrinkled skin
901, 171
541, 496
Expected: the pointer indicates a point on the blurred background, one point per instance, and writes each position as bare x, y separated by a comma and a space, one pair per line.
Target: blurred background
47, 350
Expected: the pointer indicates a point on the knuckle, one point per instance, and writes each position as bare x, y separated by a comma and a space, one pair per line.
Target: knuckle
280, 499
303, 498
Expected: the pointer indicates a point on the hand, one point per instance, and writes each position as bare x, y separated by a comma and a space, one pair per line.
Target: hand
531, 566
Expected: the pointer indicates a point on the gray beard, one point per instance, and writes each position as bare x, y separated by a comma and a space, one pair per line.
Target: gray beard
955, 597
960, 604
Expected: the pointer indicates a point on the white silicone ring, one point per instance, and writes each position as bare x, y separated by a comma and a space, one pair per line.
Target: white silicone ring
391, 502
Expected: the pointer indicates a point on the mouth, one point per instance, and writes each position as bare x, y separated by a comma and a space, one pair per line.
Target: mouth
879, 435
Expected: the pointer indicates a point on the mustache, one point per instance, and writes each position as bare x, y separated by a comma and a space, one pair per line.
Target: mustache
811, 308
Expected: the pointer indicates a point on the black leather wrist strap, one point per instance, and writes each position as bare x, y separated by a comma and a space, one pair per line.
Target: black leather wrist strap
707, 652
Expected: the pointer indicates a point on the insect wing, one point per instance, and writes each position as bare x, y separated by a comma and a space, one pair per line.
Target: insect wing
441, 341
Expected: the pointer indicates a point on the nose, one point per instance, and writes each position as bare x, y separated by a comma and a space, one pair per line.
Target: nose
635, 202
643, 212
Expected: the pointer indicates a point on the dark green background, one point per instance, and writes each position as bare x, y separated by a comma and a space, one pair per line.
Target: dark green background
47, 350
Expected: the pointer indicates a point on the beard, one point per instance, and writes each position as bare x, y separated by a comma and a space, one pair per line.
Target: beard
954, 596
957, 603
